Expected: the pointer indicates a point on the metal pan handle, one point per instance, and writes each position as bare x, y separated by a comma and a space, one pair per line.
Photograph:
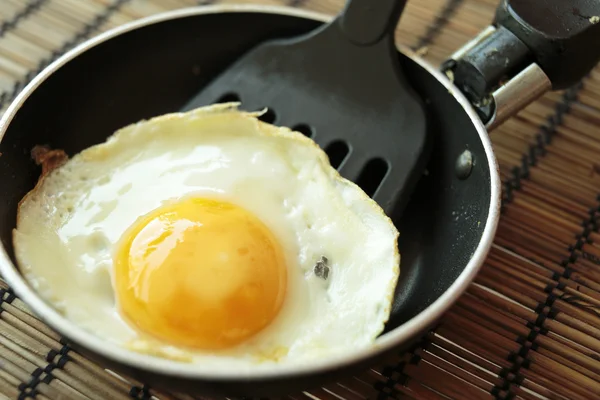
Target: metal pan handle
531, 47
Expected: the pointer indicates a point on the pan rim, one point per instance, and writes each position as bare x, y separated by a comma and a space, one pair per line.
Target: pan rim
384, 343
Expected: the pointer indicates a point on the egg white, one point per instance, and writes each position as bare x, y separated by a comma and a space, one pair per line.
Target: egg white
69, 225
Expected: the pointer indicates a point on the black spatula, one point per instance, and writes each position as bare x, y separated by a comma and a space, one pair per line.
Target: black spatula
343, 85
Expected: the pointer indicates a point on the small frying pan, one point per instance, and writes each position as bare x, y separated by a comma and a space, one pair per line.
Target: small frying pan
155, 65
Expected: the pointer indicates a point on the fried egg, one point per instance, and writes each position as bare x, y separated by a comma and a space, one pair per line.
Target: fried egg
210, 237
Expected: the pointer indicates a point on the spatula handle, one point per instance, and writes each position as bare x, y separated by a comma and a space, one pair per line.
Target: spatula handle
366, 22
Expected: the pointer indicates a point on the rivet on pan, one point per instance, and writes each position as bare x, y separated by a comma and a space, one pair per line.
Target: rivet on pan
464, 165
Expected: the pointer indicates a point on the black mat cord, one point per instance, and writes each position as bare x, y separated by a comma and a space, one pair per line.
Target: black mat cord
441, 20
594, 226
536, 151
589, 226
545, 310
140, 393
6, 296
544, 137
10, 24
395, 375
55, 360
87, 31
512, 377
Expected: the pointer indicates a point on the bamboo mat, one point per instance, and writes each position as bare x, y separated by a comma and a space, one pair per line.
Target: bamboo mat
529, 327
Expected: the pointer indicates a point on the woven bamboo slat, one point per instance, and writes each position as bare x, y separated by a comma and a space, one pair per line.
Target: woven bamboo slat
528, 327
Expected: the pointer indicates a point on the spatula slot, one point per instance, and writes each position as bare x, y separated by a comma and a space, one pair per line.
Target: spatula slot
337, 152
304, 129
269, 116
229, 97
372, 175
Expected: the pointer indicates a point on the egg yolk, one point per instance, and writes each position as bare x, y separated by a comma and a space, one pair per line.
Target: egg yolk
200, 273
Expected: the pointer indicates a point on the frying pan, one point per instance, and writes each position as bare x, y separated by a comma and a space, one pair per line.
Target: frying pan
155, 65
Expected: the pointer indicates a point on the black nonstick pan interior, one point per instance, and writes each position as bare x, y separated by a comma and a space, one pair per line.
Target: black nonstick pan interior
156, 69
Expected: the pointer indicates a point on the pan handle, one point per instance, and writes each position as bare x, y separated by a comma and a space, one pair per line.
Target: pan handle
531, 47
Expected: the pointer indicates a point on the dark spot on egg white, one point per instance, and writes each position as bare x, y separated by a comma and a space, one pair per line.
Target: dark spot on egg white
321, 268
